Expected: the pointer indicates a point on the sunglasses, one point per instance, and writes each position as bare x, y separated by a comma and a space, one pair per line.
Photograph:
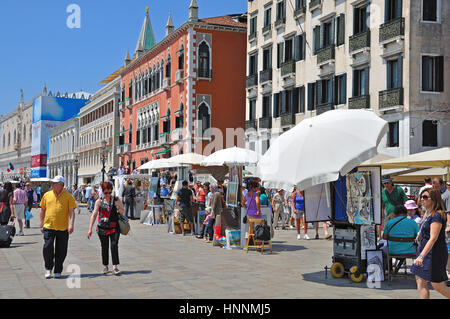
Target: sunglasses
425, 197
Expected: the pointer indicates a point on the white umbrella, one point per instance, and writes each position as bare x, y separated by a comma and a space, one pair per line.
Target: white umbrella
157, 164
188, 159
234, 156
318, 149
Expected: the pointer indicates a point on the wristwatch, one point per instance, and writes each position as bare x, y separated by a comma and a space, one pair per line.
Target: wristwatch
420, 256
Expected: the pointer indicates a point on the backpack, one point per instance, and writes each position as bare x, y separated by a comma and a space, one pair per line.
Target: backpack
7, 233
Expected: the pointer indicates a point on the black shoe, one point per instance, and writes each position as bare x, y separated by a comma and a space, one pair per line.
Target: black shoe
199, 237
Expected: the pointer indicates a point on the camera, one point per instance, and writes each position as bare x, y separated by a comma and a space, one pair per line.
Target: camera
104, 223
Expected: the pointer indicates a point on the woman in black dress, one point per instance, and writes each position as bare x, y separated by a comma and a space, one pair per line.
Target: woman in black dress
6, 204
432, 260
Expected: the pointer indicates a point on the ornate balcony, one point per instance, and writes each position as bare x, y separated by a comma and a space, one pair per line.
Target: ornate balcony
322, 108
251, 124
360, 41
265, 122
325, 55
127, 148
288, 69
265, 76
119, 150
315, 4
298, 13
391, 30
252, 36
129, 103
177, 134
179, 76
166, 84
359, 102
252, 80
287, 119
391, 99
267, 29
280, 23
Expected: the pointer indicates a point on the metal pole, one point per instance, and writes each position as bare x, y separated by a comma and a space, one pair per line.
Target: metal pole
103, 169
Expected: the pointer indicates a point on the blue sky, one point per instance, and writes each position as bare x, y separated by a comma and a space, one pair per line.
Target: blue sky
37, 47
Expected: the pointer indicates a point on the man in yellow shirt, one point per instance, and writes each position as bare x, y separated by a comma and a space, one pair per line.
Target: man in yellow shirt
57, 206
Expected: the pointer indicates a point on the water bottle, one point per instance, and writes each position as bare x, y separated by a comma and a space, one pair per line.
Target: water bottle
447, 239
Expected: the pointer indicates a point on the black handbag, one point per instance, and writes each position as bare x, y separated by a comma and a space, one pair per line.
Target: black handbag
262, 232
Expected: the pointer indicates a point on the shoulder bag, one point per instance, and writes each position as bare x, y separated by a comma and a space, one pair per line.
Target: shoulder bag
124, 224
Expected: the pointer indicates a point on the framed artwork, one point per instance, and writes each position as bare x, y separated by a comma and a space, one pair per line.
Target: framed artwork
153, 186
375, 179
375, 266
359, 198
318, 203
368, 239
232, 194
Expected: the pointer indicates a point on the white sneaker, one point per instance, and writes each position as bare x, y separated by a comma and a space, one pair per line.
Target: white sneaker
48, 274
299, 237
306, 237
291, 227
21, 233
57, 276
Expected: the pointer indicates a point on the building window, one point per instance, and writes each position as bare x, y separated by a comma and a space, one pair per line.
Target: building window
179, 121
281, 11
166, 124
393, 10
265, 145
253, 25
181, 59
276, 104
429, 133
252, 109
267, 58
340, 29
253, 64
394, 73
168, 68
433, 73
393, 135
24, 132
299, 4
361, 82
300, 46
204, 118
267, 17
288, 50
360, 19
266, 106
312, 96
325, 91
204, 61
430, 10
340, 89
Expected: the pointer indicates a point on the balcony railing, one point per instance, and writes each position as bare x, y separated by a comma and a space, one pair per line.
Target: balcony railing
280, 22
359, 102
164, 138
129, 102
166, 84
179, 76
325, 55
288, 68
265, 76
251, 124
360, 41
287, 119
314, 4
177, 134
127, 148
265, 122
391, 98
299, 12
267, 29
205, 73
392, 29
119, 150
252, 36
325, 107
252, 80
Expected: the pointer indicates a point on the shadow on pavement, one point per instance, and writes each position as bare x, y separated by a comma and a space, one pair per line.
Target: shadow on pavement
123, 273
397, 283
280, 247
18, 245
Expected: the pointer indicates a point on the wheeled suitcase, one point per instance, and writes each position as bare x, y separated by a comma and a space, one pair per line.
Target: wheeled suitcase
7, 233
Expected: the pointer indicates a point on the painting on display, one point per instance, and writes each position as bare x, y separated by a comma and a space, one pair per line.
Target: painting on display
153, 187
359, 198
368, 239
375, 265
232, 194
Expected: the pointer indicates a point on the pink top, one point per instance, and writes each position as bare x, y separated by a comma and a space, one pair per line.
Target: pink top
20, 196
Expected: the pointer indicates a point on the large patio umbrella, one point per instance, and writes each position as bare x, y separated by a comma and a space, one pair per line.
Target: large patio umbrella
318, 149
234, 156
158, 164
187, 159
435, 158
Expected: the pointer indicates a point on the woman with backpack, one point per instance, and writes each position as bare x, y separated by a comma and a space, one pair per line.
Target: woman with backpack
108, 209
7, 204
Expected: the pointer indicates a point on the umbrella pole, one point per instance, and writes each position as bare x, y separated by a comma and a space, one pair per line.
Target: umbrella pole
448, 174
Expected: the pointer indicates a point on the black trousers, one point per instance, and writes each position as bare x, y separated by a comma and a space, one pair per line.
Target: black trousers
129, 209
55, 249
104, 240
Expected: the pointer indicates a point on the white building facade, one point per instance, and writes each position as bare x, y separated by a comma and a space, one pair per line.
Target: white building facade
306, 57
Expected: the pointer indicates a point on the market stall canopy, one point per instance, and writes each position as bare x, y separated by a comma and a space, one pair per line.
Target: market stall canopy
158, 164
187, 159
377, 159
419, 176
318, 149
234, 156
40, 179
435, 158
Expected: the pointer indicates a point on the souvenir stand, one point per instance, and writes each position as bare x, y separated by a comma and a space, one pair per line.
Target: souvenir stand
353, 205
141, 182
44, 182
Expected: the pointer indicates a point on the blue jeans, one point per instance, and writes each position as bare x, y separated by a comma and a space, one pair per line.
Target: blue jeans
91, 204
129, 209
210, 228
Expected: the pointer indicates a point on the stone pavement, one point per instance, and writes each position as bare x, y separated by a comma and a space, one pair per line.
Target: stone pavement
156, 264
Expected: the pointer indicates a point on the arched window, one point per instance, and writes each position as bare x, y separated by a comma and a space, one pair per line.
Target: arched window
24, 132
31, 132
9, 138
179, 123
168, 68
204, 118
181, 59
204, 61
3, 140
15, 137
166, 124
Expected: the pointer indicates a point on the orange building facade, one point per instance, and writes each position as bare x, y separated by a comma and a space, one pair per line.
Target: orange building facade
174, 93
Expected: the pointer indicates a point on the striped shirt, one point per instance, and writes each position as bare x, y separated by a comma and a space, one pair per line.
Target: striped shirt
20, 196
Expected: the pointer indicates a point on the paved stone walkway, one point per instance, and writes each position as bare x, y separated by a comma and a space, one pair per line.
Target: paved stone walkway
156, 264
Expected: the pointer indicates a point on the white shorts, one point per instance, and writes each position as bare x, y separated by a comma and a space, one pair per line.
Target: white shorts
19, 211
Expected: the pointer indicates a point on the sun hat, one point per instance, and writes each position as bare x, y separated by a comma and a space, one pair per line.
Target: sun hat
410, 204
58, 179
